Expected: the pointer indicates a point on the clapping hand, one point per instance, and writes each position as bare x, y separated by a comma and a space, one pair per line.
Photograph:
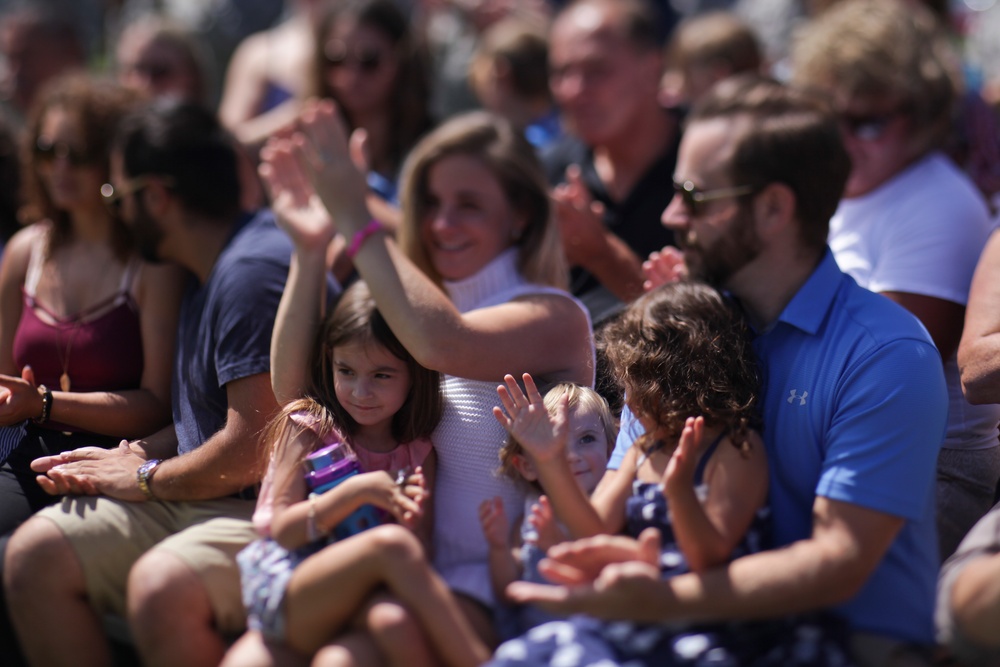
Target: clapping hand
679, 474
662, 267
294, 201
332, 163
579, 217
543, 520
608, 576
543, 436
495, 524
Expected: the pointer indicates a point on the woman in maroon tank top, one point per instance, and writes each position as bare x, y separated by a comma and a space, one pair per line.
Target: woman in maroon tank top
86, 328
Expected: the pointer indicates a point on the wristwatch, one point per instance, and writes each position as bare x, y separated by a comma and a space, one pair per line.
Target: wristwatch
144, 474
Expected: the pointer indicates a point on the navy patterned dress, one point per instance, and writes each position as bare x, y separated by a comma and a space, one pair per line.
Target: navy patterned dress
583, 641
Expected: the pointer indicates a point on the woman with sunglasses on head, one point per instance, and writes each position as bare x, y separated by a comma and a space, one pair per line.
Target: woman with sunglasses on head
86, 327
910, 225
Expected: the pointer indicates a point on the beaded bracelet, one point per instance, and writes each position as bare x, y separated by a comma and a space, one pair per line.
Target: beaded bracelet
46, 404
313, 531
373, 227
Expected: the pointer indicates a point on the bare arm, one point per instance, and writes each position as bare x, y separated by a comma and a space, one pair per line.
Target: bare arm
502, 557
708, 531
228, 461
588, 243
609, 577
13, 269
943, 319
417, 310
979, 351
975, 601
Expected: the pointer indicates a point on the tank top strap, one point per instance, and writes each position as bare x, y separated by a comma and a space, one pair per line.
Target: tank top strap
699, 472
129, 276
35, 262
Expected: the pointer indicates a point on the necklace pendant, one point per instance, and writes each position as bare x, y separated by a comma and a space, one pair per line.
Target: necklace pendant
64, 383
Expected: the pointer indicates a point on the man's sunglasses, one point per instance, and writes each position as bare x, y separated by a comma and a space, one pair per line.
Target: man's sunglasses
694, 198
113, 196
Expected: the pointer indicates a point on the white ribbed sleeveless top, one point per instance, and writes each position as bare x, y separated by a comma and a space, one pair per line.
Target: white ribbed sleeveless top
468, 442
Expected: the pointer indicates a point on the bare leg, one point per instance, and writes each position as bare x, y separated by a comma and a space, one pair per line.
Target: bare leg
171, 615
330, 586
397, 634
252, 650
352, 650
46, 592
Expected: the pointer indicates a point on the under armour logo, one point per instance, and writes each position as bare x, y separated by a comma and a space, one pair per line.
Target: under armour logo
794, 394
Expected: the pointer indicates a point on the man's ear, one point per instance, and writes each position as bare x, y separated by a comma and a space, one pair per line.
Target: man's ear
157, 198
774, 208
525, 467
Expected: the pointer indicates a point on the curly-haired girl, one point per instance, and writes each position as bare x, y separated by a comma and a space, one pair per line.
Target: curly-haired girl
683, 357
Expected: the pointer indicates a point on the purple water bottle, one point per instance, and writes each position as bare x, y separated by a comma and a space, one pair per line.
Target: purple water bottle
328, 467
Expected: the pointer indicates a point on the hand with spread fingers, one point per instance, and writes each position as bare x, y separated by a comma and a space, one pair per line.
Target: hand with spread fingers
543, 436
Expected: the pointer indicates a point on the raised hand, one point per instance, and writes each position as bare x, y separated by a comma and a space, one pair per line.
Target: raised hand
679, 473
496, 526
580, 219
294, 201
543, 436
543, 520
329, 161
662, 267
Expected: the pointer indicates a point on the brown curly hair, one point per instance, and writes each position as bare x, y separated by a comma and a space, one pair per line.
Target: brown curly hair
98, 106
681, 351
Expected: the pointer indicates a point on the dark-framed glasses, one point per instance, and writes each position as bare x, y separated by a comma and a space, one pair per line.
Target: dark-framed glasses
113, 196
694, 198
368, 60
47, 151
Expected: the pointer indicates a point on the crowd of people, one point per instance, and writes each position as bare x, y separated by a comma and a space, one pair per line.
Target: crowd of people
467, 332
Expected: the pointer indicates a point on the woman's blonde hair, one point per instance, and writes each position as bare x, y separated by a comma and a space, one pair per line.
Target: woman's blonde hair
511, 159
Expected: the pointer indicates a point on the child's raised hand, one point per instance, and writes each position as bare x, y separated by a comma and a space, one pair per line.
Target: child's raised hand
543, 436
496, 526
543, 520
679, 473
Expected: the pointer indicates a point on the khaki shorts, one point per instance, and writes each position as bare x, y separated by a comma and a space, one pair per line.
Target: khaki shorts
109, 536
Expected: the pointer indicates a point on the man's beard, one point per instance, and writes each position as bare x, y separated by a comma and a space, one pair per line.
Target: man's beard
717, 263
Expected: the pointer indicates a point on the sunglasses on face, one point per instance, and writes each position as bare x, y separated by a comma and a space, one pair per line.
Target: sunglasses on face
867, 127
47, 152
113, 196
694, 199
366, 60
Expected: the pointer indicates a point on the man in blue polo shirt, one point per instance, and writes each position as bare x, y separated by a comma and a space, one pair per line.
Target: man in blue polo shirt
855, 403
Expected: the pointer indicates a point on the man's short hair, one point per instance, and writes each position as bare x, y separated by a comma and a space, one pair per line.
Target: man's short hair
787, 136
638, 21
185, 143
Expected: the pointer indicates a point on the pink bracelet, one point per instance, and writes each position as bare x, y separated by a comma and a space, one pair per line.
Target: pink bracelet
373, 227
